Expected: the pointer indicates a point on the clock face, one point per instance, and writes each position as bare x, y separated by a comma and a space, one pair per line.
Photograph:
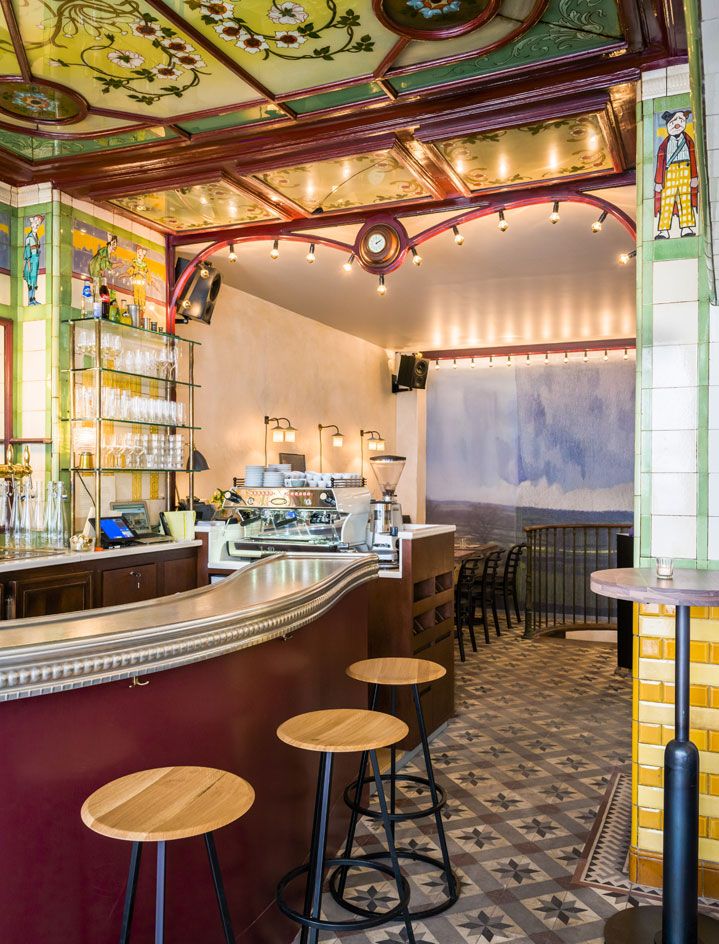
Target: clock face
376, 242
379, 245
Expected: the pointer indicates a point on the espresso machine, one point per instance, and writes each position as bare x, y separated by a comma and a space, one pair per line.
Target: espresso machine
386, 512
259, 522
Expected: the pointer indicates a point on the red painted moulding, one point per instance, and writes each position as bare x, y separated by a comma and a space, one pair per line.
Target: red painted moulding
492, 204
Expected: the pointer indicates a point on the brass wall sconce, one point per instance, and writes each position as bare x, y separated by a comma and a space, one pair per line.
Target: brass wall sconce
338, 438
375, 443
280, 433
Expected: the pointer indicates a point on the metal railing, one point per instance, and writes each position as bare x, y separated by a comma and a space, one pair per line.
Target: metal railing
560, 561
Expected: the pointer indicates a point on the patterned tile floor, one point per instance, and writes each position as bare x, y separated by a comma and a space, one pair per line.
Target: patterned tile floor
540, 727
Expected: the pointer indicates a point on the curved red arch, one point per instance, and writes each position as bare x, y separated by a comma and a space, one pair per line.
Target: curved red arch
496, 202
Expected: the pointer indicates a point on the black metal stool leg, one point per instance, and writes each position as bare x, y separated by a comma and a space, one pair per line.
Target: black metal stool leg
135, 856
470, 623
452, 890
505, 594
393, 766
460, 643
317, 871
312, 858
160, 894
357, 797
390, 844
219, 888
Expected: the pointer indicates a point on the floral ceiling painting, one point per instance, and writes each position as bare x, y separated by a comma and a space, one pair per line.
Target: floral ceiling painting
197, 207
553, 149
93, 77
343, 183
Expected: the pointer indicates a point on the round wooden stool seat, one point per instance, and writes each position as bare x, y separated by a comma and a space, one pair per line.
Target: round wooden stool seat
167, 803
342, 730
396, 671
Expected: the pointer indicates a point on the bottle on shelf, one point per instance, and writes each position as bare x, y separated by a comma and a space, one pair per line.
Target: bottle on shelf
105, 300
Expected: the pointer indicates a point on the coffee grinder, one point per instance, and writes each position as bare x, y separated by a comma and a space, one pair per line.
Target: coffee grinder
386, 512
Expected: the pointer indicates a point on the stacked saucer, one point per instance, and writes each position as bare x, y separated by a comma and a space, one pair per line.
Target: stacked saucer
273, 478
254, 476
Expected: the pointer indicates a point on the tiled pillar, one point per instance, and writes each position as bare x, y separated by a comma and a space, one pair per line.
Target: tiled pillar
677, 480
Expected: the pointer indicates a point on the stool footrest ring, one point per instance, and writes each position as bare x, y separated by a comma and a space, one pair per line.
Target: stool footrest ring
371, 919
420, 813
420, 913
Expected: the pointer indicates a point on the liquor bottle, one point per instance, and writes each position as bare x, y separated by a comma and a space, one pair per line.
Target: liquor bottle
105, 300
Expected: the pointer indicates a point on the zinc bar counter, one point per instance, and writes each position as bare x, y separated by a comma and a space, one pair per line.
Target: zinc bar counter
200, 678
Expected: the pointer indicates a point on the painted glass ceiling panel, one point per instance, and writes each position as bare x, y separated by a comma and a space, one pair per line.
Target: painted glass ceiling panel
290, 45
124, 56
41, 149
197, 207
535, 152
343, 183
8, 60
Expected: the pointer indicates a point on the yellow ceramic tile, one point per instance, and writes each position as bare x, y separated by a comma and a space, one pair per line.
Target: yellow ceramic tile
703, 783
698, 650
713, 784
650, 798
649, 609
709, 850
650, 733
714, 612
666, 610
650, 819
657, 713
651, 755
705, 826
713, 740
714, 652
650, 840
650, 647
700, 738
698, 696
714, 697
699, 612
711, 827
650, 691
650, 776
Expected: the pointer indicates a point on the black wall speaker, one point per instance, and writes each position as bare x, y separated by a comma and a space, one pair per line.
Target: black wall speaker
199, 298
412, 372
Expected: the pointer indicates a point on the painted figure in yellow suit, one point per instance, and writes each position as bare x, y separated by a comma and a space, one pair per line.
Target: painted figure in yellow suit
139, 273
676, 181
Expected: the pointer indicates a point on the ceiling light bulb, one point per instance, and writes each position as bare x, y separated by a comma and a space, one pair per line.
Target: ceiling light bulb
458, 237
554, 215
290, 434
624, 257
275, 251
310, 257
186, 304
503, 224
491, 360
546, 357
626, 355
509, 360
566, 357
597, 224
381, 287
416, 258
606, 355
232, 255
338, 440
436, 364
472, 363
528, 360
204, 272
454, 365
586, 357
347, 266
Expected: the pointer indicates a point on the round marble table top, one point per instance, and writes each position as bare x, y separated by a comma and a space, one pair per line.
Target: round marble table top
641, 584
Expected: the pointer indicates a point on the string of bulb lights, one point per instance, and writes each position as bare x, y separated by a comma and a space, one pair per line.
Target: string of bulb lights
529, 358
624, 258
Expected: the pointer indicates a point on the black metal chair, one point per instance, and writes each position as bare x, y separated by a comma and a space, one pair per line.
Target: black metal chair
470, 572
484, 596
506, 585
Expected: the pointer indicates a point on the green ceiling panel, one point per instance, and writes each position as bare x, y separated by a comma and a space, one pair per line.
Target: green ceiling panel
337, 99
233, 119
591, 16
43, 149
543, 43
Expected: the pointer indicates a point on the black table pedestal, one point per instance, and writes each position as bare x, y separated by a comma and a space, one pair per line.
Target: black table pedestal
677, 921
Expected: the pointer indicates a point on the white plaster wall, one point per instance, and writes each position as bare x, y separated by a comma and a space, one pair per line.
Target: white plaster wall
257, 358
412, 443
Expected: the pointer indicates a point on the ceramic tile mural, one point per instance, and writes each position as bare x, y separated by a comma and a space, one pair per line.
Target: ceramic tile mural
676, 176
33, 258
507, 448
4, 240
128, 266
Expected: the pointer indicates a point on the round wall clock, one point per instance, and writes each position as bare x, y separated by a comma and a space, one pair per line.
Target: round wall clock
379, 244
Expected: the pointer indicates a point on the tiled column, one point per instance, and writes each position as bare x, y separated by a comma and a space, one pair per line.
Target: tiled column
677, 493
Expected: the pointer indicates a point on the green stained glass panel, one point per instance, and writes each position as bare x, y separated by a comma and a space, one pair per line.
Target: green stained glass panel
42, 149
347, 96
234, 119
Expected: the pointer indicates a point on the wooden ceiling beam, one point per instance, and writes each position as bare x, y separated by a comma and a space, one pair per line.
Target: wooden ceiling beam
16, 39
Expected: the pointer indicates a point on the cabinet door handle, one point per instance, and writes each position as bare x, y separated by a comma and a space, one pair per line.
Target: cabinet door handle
137, 575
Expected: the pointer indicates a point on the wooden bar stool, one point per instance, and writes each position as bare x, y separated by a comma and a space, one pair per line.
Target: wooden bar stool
161, 805
330, 732
395, 672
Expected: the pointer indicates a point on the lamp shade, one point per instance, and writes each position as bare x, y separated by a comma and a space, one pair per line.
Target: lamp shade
198, 462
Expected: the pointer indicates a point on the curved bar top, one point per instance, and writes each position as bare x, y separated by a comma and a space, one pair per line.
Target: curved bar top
270, 598
641, 585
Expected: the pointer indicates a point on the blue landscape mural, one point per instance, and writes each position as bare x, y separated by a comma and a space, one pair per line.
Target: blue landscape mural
511, 447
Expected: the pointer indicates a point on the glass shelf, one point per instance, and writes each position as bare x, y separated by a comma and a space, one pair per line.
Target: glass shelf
131, 328
108, 419
112, 469
125, 373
